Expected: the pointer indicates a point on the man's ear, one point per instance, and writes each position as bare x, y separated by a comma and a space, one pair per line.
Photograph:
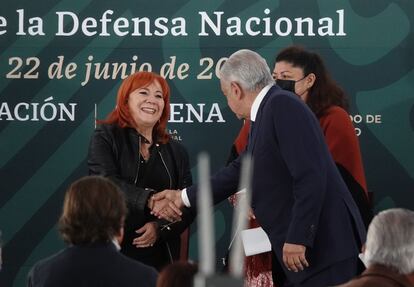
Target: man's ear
236, 90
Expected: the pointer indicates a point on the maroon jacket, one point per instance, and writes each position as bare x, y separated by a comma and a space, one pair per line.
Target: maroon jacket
379, 276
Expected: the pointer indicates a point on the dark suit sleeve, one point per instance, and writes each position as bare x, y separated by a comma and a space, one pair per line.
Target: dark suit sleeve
304, 152
187, 178
101, 161
223, 183
151, 278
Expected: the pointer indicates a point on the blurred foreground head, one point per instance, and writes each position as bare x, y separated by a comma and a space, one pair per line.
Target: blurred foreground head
177, 274
390, 240
93, 211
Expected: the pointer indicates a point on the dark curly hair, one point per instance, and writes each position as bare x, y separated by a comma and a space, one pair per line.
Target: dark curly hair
93, 211
325, 92
177, 274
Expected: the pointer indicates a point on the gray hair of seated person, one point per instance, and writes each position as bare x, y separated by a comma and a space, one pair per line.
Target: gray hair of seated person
390, 240
248, 69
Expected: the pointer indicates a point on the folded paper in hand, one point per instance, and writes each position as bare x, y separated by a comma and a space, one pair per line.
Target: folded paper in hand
255, 241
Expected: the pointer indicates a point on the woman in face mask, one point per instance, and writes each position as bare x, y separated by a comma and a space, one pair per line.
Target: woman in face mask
304, 73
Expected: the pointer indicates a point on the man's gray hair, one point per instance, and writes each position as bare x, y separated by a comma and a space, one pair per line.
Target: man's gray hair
390, 240
248, 69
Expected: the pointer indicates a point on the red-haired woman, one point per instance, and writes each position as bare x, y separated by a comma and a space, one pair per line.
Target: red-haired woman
133, 149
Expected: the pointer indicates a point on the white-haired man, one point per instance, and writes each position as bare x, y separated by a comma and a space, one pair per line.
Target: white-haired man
389, 251
298, 195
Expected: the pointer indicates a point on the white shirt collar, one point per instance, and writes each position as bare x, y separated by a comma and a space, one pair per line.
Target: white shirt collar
257, 101
115, 242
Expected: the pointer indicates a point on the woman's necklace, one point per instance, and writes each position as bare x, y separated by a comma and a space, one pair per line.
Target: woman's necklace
145, 152
145, 145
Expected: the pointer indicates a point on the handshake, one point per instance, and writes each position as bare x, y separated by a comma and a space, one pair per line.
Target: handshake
166, 204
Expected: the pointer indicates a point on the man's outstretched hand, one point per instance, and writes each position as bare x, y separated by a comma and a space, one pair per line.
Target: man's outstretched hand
167, 204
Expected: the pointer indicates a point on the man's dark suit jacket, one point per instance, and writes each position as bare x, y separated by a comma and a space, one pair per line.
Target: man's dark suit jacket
298, 195
88, 266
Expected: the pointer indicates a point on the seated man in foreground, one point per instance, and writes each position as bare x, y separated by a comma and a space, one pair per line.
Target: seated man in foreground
389, 251
92, 224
